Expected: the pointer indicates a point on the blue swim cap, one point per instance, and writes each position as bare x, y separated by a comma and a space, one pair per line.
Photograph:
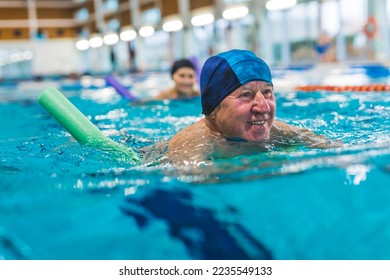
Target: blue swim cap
223, 73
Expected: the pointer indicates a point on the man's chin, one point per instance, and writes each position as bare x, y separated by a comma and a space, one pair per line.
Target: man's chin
258, 138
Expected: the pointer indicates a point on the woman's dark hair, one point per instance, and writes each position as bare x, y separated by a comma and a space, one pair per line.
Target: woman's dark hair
180, 64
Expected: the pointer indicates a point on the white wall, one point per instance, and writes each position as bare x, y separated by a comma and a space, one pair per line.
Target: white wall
55, 57
52, 57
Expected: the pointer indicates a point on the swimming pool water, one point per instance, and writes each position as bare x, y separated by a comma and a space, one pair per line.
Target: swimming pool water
60, 200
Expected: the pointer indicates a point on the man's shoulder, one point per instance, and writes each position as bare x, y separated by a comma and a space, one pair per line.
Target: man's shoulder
282, 128
190, 132
190, 143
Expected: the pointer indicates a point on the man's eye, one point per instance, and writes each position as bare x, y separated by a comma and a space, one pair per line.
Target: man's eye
245, 95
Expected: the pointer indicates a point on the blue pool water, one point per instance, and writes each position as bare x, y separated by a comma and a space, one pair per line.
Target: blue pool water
60, 200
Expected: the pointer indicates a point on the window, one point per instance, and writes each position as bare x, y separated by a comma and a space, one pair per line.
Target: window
111, 6
151, 16
82, 14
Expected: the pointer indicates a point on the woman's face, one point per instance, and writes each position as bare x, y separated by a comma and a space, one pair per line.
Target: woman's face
185, 79
247, 113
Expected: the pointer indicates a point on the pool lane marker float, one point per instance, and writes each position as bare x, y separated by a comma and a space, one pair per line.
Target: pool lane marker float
120, 88
81, 128
361, 88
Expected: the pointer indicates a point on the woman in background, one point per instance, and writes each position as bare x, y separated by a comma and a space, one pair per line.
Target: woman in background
184, 77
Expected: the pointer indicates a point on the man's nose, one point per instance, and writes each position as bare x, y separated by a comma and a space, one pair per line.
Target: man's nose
260, 104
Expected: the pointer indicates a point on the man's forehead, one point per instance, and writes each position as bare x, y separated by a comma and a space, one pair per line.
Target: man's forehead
256, 84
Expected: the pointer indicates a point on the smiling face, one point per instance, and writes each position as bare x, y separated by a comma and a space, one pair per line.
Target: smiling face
185, 79
247, 113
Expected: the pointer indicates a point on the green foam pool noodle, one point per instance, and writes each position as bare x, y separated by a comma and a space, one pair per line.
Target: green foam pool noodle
79, 126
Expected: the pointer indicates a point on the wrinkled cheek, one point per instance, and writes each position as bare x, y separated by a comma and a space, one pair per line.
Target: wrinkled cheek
273, 110
232, 128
